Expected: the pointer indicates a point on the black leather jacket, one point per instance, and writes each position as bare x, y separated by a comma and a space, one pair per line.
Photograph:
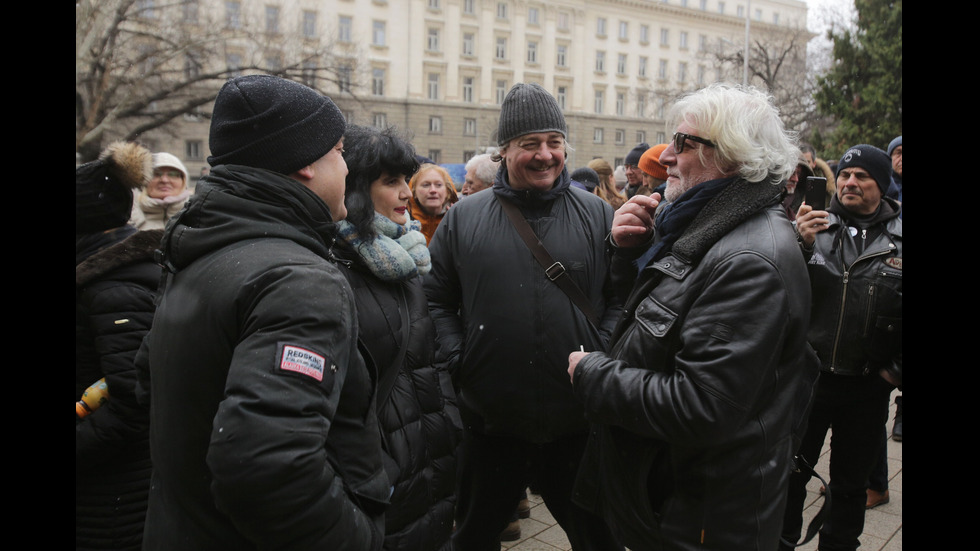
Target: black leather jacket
696, 406
856, 325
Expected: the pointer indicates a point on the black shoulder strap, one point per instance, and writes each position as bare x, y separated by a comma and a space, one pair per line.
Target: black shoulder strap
821, 517
553, 269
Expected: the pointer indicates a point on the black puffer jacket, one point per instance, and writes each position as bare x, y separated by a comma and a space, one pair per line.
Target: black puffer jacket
263, 427
419, 419
699, 402
115, 285
507, 327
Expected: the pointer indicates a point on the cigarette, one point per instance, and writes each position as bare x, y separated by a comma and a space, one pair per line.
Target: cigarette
581, 348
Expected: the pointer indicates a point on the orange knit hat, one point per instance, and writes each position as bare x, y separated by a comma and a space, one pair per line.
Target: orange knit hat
650, 162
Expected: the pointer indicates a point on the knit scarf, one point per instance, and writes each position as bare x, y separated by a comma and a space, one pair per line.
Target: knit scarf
675, 217
397, 253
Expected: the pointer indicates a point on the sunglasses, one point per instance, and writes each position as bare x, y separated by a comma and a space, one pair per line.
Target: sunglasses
681, 138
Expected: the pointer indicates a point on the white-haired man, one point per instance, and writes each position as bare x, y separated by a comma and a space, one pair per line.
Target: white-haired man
697, 403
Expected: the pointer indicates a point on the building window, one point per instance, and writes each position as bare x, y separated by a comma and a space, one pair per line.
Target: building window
624, 30
468, 89
644, 34
272, 19
233, 15
702, 72
600, 99
662, 69
469, 43
435, 155
620, 104
620, 136
501, 10
501, 48
309, 24
702, 43
434, 4
378, 81
234, 63
600, 26
344, 25
641, 136
596, 135
378, 33
433, 40
562, 97
469, 127
344, 74
561, 56
308, 74
665, 37
190, 10
532, 16
642, 70
192, 67
532, 52
682, 72
683, 40
273, 62
775, 19
380, 120
621, 64
740, 11
721, 8
469, 7
563, 21
193, 150
600, 61
501, 90
704, 5
433, 85
435, 125
641, 106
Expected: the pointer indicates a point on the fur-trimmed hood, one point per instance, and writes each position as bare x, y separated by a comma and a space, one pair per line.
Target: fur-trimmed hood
138, 247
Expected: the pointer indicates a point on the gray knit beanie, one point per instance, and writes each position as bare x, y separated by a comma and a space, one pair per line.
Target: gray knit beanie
872, 159
529, 108
269, 122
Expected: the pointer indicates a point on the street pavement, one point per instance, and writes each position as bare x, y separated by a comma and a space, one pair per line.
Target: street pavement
882, 525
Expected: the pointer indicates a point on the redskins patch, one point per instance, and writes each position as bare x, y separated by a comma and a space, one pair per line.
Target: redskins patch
894, 262
300, 360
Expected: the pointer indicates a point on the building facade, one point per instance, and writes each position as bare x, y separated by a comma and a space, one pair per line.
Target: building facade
439, 69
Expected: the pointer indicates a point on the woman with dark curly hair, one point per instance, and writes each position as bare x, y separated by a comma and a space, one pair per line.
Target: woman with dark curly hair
386, 255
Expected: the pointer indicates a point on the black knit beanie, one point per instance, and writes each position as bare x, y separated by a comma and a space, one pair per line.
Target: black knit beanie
529, 108
269, 122
104, 187
587, 177
870, 158
633, 157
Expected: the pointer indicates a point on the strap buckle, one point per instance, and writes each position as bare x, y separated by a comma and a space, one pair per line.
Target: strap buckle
555, 271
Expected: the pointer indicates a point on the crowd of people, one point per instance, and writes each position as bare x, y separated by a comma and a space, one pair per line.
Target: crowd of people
325, 345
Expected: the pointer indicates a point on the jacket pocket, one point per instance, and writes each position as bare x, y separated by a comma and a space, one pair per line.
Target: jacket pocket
654, 318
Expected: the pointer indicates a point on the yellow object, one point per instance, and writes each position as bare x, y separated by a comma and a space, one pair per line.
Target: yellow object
93, 398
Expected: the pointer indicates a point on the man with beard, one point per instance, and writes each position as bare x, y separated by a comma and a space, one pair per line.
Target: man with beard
708, 375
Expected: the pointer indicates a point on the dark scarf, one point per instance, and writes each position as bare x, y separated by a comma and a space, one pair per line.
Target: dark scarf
674, 218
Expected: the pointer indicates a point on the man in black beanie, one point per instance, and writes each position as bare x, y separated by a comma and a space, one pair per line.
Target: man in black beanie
263, 426
634, 175
508, 325
854, 251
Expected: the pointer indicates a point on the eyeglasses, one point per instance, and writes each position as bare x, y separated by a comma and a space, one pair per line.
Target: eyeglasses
680, 139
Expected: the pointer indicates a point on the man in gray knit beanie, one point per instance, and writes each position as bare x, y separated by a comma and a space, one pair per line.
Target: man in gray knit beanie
508, 326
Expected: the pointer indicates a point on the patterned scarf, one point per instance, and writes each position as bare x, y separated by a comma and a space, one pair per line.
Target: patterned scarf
397, 253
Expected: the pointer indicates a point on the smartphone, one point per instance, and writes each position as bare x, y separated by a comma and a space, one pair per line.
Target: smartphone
815, 193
